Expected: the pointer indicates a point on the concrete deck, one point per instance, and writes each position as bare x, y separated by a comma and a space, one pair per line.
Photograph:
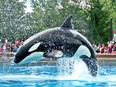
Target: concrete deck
106, 57
101, 57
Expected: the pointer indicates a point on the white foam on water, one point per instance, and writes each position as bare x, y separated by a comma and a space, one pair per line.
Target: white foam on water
111, 78
26, 77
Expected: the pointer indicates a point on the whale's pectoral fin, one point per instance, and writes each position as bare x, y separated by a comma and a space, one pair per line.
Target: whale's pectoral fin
54, 54
91, 64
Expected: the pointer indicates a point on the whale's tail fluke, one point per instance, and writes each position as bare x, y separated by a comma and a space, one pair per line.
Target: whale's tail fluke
91, 64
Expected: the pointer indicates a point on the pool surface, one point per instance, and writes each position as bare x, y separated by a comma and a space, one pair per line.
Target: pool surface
12, 75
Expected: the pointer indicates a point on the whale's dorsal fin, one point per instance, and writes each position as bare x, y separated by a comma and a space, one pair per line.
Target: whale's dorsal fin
67, 24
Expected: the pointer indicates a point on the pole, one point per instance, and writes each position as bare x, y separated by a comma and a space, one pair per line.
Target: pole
111, 31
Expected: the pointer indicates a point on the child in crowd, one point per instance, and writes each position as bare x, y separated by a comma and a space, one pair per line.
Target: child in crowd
110, 47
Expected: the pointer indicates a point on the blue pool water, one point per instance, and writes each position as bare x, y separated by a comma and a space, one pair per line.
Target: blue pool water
12, 75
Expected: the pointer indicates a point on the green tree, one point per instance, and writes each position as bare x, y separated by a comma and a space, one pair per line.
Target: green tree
51, 13
92, 19
99, 16
13, 20
113, 13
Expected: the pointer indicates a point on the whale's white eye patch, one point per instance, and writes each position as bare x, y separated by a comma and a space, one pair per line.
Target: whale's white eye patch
34, 47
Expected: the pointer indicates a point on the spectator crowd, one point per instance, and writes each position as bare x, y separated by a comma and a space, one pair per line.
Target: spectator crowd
12, 47
110, 47
9, 47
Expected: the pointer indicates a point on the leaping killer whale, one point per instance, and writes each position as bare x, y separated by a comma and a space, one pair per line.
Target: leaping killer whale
58, 42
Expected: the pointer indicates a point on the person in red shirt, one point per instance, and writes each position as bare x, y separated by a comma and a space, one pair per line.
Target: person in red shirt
110, 47
102, 49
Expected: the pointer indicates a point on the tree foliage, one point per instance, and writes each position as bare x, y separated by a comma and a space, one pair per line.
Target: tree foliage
51, 13
93, 19
13, 20
98, 15
90, 17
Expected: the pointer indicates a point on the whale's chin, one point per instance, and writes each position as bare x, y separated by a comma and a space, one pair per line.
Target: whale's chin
35, 56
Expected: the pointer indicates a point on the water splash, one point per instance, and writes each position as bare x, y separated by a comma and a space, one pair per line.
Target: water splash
72, 69
65, 66
70, 73
76, 69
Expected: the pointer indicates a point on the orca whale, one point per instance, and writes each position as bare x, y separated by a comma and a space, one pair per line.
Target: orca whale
58, 42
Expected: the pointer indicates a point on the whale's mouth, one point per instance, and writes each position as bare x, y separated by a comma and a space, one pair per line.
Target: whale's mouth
19, 57
35, 56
